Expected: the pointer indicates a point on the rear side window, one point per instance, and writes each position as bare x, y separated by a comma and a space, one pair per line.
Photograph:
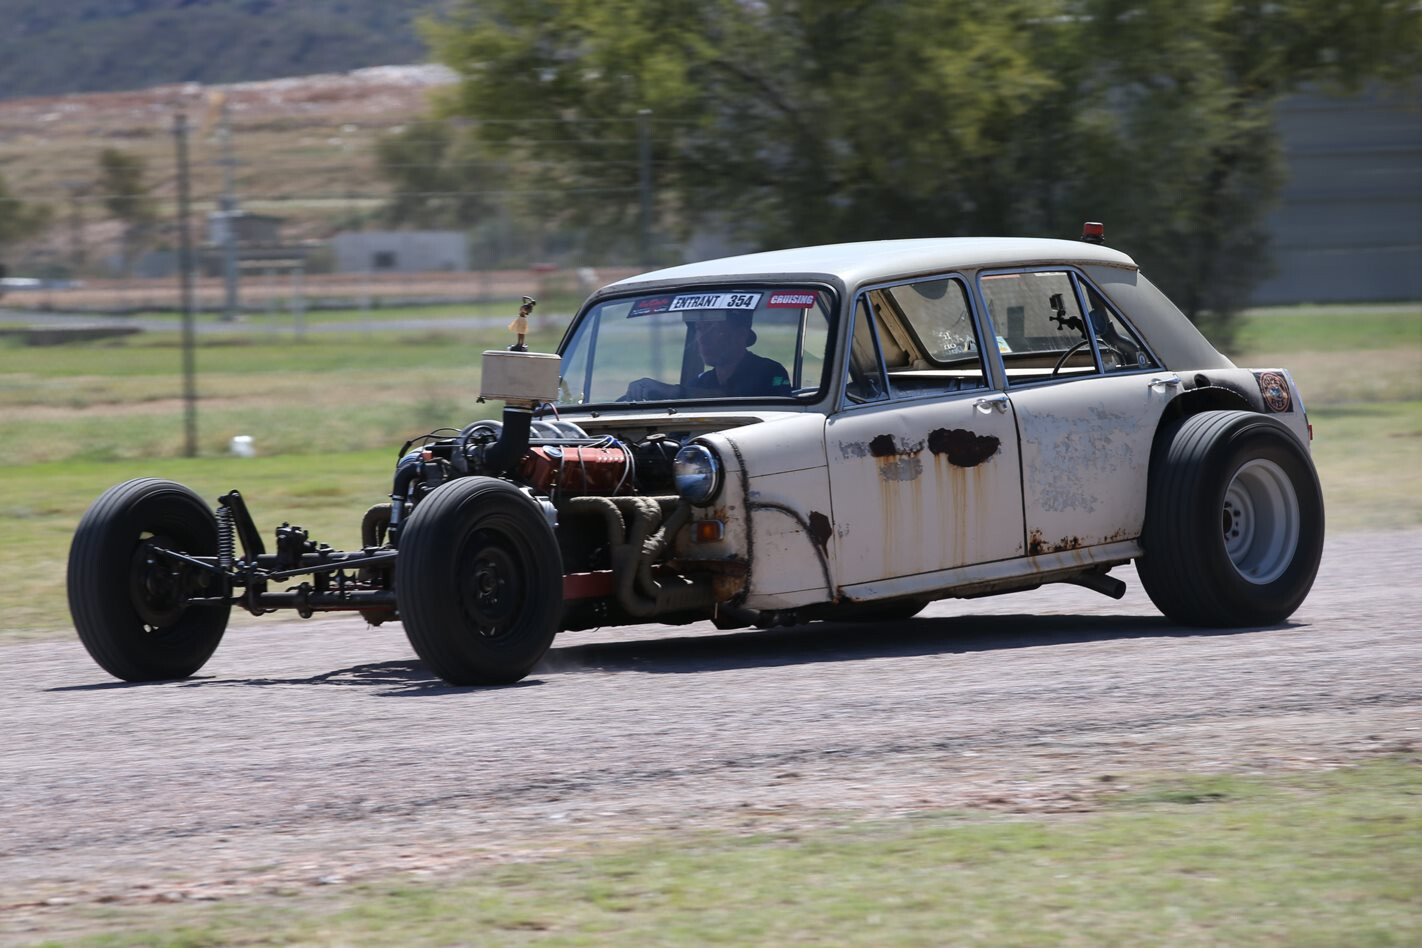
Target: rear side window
1121, 349
1041, 331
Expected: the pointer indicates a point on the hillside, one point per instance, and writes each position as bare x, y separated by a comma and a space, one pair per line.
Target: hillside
49, 48
303, 148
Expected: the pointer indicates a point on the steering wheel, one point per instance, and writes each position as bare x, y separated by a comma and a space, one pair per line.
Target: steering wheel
645, 389
1120, 359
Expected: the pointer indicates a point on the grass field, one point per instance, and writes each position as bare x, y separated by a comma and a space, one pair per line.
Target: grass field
1326, 858
328, 413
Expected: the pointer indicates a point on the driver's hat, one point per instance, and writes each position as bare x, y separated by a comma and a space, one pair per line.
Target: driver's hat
739, 318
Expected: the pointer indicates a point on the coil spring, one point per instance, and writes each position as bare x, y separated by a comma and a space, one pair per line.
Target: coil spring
226, 542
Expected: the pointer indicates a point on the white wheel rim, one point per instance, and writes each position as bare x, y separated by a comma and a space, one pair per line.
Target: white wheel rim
1260, 520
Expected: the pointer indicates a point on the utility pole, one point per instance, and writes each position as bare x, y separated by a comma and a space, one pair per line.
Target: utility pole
228, 215
644, 183
185, 277
76, 225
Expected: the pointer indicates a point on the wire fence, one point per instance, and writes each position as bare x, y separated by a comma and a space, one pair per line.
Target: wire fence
297, 163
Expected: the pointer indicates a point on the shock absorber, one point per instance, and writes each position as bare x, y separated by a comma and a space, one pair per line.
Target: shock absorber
226, 537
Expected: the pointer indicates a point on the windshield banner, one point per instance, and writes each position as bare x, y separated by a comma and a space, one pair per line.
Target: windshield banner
716, 301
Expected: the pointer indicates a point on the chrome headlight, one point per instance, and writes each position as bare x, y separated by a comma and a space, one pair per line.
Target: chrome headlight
698, 474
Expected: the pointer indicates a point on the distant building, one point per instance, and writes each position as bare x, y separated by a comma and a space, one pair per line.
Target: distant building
1348, 227
259, 244
249, 228
401, 251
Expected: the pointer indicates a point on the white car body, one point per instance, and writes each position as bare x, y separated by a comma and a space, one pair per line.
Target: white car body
841, 502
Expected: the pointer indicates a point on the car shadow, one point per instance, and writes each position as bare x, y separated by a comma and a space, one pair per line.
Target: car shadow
809, 644
848, 642
400, 679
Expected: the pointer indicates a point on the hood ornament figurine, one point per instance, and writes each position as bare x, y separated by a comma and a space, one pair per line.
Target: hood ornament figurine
520, 324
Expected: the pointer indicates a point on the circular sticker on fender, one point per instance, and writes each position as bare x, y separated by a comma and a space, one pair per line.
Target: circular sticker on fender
1275, 391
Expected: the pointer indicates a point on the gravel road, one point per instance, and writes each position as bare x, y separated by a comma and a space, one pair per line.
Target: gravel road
321, 752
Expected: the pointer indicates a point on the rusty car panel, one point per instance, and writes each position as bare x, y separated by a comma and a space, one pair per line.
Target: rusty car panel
924, 486
1086, 456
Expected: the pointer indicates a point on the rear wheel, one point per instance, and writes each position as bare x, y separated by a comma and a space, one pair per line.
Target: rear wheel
128, 601
1234, 522
480, 582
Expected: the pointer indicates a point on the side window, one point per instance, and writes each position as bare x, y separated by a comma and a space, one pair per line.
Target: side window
928, 338
1040, 329
866, 378
1121, 349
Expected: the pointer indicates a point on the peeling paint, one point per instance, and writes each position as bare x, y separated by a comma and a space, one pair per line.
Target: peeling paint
880, 446
907, 468
1071, 457
1037, 544
896, 462
962, 447
820, 528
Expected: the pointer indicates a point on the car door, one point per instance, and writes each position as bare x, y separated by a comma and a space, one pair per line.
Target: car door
923, 456
1087, 396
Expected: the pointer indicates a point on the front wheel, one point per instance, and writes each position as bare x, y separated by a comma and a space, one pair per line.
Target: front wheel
479, 581
129, 602
1234, 522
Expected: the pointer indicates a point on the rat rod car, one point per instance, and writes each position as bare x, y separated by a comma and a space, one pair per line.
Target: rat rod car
838, 432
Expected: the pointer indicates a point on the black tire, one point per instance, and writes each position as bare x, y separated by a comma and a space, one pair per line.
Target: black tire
479, 581
1234, 521
126, 605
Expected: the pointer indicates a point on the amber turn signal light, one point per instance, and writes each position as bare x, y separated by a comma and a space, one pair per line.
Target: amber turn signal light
707, 531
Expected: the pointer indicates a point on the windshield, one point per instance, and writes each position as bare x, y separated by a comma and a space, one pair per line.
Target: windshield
700, 343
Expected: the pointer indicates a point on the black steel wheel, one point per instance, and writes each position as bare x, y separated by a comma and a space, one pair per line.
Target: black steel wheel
479, 582
130, 604
1234, 521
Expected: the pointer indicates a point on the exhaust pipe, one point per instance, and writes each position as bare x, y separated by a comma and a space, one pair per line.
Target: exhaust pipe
512, 444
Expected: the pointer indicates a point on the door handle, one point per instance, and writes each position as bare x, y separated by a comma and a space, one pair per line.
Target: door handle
1161, 382
987, 403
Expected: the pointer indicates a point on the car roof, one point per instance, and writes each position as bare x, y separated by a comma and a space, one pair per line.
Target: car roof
869, 261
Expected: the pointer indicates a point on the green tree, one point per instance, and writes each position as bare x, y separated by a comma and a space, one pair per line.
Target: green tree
435, 176
789, 122
1195, 155
20, 220
126, 195
794, 122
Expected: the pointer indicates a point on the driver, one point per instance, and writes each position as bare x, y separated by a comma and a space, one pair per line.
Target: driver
725, 346
723, 341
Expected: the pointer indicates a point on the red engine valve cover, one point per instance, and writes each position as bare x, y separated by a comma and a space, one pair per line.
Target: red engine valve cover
573, 471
